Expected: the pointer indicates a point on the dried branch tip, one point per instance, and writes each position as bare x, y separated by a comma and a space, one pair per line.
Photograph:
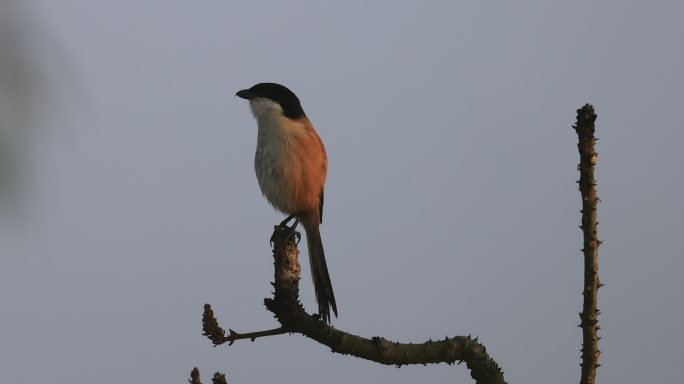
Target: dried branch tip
211, 328
195, 376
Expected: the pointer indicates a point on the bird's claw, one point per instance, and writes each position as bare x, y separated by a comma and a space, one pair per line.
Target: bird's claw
291, 232
287, 231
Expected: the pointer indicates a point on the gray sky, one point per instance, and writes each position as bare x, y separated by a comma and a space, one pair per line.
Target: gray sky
451, 202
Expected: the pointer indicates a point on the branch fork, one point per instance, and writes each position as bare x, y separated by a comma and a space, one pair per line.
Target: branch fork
286, 307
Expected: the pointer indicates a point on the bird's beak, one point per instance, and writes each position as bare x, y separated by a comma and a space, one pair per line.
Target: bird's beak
245, 94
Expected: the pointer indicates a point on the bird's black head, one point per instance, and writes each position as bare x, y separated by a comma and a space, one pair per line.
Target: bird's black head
277, 93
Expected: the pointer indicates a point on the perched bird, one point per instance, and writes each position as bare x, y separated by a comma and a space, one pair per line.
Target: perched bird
291, 166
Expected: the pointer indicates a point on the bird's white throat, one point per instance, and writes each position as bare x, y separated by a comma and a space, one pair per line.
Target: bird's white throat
265, 110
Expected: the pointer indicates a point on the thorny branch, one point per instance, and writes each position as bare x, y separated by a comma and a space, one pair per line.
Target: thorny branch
587, 186
294, 319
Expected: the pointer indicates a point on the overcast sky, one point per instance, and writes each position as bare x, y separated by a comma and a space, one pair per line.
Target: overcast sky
451, 203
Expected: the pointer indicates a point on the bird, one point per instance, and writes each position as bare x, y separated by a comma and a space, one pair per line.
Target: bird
291, 167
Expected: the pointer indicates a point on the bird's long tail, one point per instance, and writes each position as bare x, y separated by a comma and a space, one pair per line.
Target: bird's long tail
319, 270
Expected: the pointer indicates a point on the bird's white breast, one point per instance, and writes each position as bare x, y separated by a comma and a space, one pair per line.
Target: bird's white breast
274, 157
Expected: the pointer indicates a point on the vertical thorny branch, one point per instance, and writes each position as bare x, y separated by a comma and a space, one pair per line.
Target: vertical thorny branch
587, 186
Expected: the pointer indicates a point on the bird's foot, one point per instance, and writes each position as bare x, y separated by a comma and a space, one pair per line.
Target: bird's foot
287, 230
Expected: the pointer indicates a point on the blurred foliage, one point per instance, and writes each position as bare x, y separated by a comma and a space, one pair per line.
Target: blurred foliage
21, 97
